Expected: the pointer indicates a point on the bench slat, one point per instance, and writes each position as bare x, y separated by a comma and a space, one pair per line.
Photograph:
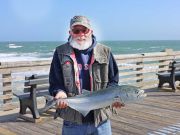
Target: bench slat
41, 76
38, 88
38, 94
37, 81
36, 76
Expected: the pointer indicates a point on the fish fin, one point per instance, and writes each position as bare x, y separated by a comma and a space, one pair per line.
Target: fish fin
49, 104
49, 98
85, 91
83, 112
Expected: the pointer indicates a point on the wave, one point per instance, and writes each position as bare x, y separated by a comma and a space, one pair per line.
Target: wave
4, 55
12, 57
154, 47
138, 49
14, 46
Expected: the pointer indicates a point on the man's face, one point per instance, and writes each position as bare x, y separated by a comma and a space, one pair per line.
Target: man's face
80, 34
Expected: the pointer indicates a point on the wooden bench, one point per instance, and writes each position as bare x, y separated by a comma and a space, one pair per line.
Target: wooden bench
170, 77
35, 86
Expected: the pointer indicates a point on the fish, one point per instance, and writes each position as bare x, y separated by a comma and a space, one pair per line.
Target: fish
88, 101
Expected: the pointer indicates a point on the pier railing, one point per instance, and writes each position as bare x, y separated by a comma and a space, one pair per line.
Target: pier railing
135, 69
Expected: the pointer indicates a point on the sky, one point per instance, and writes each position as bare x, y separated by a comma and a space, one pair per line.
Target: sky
48, 20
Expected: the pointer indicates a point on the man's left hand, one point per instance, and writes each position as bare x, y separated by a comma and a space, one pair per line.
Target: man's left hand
117, 105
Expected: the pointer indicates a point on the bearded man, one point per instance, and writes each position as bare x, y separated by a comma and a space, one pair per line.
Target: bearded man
82, 63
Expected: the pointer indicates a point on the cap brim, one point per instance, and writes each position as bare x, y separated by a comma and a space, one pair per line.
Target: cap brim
77, 23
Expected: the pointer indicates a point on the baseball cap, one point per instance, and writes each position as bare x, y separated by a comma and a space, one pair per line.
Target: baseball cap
80, 20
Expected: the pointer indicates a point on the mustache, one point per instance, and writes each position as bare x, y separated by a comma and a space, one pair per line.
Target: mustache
80, 38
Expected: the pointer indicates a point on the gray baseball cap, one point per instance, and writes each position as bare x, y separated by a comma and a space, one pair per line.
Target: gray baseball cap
80, 20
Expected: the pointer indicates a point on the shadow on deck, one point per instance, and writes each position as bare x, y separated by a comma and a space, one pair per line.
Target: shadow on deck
157, 114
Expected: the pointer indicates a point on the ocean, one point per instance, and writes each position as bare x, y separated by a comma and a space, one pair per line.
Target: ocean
22, 51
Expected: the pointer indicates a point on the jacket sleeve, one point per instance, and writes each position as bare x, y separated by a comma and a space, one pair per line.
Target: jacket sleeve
56, 82
113, 74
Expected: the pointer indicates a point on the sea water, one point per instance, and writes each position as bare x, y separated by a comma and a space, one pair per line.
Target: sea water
20, 51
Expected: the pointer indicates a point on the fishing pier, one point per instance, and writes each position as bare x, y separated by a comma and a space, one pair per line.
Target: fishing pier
157, 114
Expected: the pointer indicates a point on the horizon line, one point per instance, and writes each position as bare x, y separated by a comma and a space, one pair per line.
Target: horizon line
98, 40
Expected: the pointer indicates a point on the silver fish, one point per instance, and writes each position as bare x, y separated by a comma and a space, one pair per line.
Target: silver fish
88, 101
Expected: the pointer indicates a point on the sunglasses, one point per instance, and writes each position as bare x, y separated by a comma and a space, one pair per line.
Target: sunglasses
78, 31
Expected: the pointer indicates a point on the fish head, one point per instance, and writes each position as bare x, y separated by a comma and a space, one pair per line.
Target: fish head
135, 93
131, 93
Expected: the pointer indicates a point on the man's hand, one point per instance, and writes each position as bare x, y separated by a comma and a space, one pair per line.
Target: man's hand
62, 103
117, 105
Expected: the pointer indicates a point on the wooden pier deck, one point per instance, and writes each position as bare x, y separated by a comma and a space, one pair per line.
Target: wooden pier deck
157, 114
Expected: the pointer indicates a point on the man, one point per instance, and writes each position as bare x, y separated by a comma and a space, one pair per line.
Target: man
82, 63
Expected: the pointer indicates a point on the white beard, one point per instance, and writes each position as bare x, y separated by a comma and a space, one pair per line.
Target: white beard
85, 46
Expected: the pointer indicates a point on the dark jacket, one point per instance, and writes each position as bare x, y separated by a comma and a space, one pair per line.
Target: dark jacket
56, 77
59, 78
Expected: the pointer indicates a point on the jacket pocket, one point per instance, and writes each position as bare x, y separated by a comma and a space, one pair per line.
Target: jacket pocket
100, 75
67, 69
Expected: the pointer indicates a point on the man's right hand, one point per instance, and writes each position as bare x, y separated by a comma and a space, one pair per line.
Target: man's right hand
61, 102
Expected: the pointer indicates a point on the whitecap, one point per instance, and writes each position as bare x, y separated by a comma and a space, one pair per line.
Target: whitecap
18, 46
14, 46
12, 57
154, 47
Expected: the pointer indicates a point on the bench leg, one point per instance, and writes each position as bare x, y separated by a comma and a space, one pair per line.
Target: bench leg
32, 105
34, 111
173, 85
160, 83
23, 107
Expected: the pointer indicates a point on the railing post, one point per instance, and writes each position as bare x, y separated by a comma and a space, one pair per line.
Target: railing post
7, 90
140, 70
